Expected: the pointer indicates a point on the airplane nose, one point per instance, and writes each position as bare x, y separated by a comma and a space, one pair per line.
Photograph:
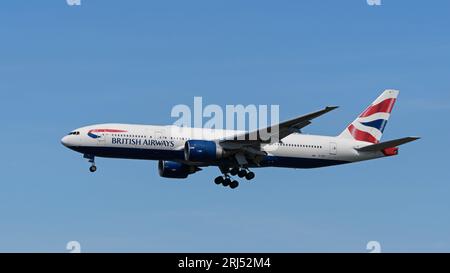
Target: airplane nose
65, 141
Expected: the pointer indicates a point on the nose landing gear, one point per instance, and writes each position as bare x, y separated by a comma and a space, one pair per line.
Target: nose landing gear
91, 160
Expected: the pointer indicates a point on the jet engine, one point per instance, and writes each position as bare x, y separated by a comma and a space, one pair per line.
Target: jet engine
172, 169
202, 151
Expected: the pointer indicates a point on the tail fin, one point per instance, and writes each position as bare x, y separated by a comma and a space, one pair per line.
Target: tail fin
369, 126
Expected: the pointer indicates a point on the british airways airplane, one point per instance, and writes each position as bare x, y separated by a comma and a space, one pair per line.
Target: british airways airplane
184, 151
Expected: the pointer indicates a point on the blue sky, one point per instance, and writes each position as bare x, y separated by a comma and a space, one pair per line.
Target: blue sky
63, 67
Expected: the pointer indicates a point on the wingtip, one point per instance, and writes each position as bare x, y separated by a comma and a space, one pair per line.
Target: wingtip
331, 107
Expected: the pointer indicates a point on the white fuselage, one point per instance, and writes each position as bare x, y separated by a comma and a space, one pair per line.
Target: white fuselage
168, 143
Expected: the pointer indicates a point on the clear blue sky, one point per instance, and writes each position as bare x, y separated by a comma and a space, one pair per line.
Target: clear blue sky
64, 67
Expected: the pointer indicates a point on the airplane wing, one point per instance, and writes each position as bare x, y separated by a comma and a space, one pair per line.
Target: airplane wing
276, 132
247, 146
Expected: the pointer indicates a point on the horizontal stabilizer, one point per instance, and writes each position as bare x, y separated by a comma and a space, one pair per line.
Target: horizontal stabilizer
388, 144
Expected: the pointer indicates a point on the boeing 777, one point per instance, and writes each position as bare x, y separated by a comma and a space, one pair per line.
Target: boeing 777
184, 151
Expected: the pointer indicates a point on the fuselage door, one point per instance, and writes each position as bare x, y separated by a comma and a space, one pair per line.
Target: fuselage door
159, 138
101, 138
333, 148
160, 134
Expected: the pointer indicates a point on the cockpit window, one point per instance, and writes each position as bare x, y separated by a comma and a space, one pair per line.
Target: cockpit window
74, 133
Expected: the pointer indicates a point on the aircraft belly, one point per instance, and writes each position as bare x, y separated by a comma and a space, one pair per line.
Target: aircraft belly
132, 153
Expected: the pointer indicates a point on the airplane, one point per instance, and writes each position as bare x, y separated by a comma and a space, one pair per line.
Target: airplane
189, 150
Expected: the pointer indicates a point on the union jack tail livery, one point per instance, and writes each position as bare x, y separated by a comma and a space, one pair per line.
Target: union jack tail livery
369, 126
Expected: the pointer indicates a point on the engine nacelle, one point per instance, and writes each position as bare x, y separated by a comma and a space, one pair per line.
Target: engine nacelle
172, 169
202, 151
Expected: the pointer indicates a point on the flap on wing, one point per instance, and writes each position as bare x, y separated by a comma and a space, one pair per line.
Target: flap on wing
387, 144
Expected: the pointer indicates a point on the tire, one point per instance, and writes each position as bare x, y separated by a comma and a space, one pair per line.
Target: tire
92, 169
226, 182
218, 180
242, 173
234, 184
250, 176
234, 171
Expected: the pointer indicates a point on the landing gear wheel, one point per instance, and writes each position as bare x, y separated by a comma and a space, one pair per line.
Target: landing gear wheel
219, 180
250, 176
234, 171
226, 182
91, 158
234, 184
242, 173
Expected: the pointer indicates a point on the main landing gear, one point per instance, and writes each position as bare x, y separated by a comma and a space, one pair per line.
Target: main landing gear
249, 175
226, 181
91, 158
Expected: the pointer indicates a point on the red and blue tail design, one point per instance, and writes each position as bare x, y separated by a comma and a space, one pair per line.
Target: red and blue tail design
369, 126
